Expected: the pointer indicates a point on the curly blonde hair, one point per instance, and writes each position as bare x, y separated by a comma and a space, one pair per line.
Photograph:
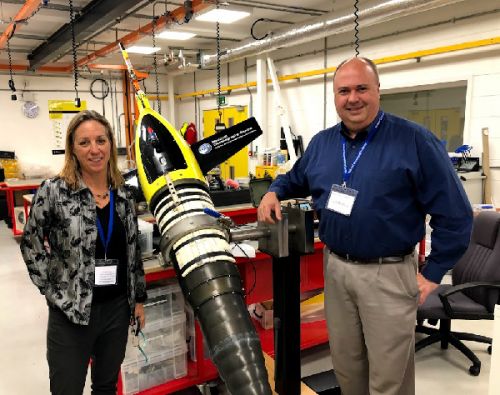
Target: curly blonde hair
71, 172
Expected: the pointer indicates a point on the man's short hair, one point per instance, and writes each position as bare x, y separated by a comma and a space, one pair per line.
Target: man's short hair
368, 62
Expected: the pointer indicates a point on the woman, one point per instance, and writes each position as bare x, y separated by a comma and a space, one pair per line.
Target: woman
80, 247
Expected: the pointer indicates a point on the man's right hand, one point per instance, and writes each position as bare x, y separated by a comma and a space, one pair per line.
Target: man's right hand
268, 206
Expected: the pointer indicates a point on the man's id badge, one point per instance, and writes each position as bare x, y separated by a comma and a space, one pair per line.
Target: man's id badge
106, 272
341, 199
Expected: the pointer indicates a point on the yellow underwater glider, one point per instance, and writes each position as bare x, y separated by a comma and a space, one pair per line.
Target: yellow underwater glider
171, 176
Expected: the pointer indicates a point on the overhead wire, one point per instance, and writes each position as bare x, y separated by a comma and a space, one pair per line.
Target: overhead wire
217, 32
356, 27
73, 48
264, 20
12, 86
11, 34
155, 63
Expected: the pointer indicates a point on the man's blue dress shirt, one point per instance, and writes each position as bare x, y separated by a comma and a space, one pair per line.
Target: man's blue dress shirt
403, 174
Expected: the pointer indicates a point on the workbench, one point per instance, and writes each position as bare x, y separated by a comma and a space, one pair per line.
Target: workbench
10, 187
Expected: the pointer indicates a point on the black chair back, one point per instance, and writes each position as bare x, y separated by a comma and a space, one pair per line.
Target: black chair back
481, 261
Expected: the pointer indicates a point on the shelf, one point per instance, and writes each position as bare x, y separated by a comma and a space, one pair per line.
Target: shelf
194, 377
311, 334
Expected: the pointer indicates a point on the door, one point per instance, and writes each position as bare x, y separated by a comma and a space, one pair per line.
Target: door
237, 165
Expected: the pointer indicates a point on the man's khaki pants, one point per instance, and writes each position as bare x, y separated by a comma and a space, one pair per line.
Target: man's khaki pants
371, 312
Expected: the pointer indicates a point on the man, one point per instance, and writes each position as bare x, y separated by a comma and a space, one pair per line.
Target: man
373, 179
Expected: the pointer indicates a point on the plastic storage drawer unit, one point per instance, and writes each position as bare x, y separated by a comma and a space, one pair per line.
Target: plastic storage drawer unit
163, 302
139, 374
165, 334
145, 237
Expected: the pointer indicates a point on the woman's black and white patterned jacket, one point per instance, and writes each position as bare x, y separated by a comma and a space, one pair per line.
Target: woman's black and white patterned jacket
63, 269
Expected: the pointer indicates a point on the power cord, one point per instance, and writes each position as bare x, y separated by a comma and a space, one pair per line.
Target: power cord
217, 29
252, 288
73, 47
264, 20
155, 64
12, 86
356, 27
104, 92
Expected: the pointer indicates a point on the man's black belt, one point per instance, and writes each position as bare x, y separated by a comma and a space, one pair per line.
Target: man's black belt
383, 259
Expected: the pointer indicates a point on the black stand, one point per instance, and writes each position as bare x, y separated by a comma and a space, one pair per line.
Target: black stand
286, 293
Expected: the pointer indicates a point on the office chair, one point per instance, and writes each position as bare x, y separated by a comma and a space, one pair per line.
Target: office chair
473, 294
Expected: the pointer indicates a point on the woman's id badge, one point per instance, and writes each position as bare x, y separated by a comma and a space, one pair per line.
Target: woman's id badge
106, 271
341, 199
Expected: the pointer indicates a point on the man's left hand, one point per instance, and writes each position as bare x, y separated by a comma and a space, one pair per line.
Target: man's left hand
425, 287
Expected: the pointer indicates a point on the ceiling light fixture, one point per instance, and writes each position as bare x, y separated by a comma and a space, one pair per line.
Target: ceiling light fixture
175, 35
222, 16
142, 50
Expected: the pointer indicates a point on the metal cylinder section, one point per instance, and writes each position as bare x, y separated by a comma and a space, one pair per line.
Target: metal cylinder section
210, 281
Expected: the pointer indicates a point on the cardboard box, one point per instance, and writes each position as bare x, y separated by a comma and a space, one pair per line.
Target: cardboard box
263, 313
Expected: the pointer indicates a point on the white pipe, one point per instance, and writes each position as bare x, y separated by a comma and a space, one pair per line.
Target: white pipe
171, 101
324, 26
261, 103
283, 113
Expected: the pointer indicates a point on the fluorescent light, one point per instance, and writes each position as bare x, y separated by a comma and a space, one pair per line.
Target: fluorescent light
222, 16
142, 50
176, 35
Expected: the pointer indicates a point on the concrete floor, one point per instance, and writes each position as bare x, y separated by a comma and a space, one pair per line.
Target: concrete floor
23, 324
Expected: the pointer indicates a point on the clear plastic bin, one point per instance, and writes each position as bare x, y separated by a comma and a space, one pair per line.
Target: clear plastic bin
161, 367
145, 237
165, 334
163, 302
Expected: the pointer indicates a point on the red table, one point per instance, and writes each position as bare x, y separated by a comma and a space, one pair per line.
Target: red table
10, 187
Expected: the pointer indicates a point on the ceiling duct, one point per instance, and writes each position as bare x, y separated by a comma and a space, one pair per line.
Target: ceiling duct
324, 26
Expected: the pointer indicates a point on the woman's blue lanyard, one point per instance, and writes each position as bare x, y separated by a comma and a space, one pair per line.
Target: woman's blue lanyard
371, 133
105, 242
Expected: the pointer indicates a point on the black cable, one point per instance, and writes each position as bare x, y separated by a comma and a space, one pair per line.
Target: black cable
12, 86
248, 292
356, 27
218, 64
104, 92
265, 20
104, 89
155, 64
251, 30
73, 47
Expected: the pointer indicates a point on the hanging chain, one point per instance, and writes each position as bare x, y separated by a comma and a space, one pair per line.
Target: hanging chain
217, 28
356, 27
11, 81
155, 65
73, 46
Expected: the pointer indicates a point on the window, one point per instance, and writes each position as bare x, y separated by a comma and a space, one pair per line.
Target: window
440, 110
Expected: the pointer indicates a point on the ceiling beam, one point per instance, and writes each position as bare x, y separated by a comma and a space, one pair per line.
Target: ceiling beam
91, 18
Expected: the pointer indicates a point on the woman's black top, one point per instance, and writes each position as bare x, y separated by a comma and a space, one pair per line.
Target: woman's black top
116, 250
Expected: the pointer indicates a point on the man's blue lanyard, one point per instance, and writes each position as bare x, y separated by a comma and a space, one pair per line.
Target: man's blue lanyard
105, 242
371, 133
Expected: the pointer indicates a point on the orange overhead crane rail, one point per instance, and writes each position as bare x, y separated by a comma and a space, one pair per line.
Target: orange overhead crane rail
26, 10
174, 16
31, 5
64, 69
